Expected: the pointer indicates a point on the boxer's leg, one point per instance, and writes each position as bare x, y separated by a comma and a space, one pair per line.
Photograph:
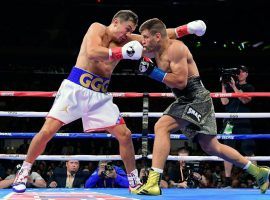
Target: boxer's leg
37, 146
123, 135
164, 126
212, 146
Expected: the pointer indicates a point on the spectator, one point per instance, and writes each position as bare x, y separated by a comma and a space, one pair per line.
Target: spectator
67, 149
23, 147
217, 177
34, 180
107, 176
186, 174
69, 177
238, 84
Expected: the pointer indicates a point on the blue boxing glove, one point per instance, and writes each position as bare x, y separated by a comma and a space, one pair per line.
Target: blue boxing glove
148, 67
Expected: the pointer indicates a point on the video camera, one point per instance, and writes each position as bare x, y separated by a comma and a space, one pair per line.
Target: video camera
228, 73
108, 167
192, 167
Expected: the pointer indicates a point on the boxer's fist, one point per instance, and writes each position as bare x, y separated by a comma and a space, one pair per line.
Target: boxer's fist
146, 66
197, 27
131, 50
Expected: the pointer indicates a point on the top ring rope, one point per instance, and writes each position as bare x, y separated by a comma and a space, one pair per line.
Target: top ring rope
66, 157
136, 114
118, 157
133, 94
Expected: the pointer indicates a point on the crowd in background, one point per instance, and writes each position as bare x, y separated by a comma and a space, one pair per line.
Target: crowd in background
52, 172
42, 54
212, 172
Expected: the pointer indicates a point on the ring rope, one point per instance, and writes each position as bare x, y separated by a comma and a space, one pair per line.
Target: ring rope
66, 157
136, 114
133, 94
118, 157
249, 136
210, 158
133, 114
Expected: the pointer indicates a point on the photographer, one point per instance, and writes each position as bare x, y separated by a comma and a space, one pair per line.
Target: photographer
187, 174
107, 176
237, 84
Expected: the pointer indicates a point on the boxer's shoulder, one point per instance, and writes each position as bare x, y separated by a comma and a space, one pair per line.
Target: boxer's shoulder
97, 27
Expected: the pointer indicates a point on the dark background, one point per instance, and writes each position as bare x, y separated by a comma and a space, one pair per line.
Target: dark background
40, 39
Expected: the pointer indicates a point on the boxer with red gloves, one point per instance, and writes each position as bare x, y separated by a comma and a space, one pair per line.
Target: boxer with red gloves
79, 97
133, 49
192, 111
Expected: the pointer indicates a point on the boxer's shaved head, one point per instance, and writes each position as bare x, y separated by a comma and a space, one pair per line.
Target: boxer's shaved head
127, 15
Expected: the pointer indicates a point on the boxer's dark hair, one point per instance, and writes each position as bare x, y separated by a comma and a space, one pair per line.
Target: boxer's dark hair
154, 26
127, 15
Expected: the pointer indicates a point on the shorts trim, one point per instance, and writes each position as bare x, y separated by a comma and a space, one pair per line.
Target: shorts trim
122, 121
55, 119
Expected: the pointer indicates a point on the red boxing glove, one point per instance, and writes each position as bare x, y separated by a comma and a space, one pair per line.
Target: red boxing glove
181, 31
115, 53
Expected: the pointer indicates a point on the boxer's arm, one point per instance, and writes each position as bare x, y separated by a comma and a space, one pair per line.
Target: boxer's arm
94, 48
137, 37
6, 183
95, 51
177, 78
170, 31
197, 27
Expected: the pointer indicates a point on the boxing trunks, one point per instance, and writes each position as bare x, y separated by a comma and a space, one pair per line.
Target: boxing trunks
194, 105
84, 95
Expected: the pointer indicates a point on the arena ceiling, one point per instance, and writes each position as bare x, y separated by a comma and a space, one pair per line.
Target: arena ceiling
50, 31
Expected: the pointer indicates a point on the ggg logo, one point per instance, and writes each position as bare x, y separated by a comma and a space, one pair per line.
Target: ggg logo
94, 83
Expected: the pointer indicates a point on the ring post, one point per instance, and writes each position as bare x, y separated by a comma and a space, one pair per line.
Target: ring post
145, 128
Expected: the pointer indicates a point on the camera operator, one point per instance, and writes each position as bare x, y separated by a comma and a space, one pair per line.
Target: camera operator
107, 176
237, 105
187, 174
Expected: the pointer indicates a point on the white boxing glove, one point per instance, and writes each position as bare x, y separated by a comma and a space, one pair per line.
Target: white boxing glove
197, 27
131, 50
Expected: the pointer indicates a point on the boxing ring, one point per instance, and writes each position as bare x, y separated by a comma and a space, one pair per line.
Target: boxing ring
123, 193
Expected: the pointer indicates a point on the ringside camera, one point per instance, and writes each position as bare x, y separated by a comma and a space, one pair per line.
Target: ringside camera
108, 169
226, 74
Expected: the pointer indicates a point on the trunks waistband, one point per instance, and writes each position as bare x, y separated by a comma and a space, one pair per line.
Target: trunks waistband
88, 80
194, 86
